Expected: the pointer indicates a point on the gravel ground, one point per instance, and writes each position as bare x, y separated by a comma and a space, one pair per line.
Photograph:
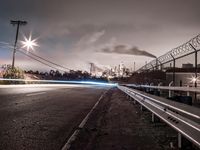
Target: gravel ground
119, 124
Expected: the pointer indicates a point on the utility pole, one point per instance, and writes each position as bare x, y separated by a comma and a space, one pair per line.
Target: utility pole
18, 23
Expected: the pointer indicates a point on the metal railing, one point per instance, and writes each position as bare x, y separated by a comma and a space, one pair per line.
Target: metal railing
183, 118
172, 88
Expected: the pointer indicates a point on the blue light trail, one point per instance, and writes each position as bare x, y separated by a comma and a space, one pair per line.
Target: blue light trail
62, 82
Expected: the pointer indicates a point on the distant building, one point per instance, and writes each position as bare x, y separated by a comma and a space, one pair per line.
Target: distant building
188, 65
117, 71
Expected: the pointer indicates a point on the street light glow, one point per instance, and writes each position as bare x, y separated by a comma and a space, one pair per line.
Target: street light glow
194, 79
28, 43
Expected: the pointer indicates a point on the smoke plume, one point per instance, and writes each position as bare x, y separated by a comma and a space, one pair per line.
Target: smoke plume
123, 49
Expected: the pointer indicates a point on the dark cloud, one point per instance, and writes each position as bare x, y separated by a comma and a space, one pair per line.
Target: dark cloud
123, 49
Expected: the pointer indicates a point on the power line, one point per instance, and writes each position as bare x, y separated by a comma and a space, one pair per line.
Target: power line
46, 60
22, 51
40, 61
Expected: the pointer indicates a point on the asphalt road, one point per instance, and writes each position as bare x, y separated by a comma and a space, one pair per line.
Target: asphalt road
43, 117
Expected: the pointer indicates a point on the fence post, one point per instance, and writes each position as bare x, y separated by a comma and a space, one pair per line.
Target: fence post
170, 92
188, 93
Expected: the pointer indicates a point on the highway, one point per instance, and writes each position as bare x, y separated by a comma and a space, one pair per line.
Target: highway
43, 117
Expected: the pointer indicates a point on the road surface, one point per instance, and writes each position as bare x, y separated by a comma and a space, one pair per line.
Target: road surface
43, 117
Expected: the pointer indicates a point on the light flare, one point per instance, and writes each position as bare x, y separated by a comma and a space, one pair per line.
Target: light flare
29, 43
194, 79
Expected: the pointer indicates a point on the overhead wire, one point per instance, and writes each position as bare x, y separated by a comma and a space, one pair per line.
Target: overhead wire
7, 45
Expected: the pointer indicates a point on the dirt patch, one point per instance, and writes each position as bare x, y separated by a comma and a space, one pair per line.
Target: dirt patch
119, 124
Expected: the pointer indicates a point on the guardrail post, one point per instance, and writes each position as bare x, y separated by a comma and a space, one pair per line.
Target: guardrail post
179, 140
134, 102
152, 117
141, 108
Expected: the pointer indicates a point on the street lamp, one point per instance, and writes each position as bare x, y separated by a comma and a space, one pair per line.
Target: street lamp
29, 43
194, 80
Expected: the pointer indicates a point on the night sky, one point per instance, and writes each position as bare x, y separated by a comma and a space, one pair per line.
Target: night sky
76, 32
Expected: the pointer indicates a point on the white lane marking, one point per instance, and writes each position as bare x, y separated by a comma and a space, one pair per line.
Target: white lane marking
38, 93
76, 132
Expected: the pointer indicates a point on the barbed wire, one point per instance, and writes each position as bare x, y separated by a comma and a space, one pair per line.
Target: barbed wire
183, 50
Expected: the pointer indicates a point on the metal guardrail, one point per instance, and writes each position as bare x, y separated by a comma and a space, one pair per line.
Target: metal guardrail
172, 88
183, 118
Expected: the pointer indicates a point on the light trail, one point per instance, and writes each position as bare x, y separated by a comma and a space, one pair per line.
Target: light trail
62, 82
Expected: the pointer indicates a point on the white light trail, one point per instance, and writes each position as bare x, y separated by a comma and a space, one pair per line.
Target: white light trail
62, 82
